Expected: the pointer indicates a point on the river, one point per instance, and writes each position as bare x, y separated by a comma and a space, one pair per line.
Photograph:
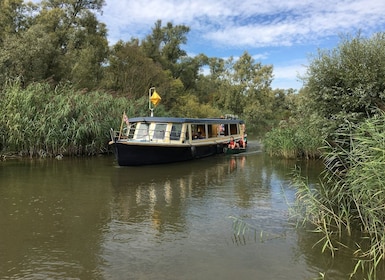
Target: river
87, 218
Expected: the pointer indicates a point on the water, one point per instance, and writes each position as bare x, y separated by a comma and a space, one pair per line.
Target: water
88, 218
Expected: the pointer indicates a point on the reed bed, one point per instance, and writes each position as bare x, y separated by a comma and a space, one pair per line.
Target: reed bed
293, 141
350, 198
44, 122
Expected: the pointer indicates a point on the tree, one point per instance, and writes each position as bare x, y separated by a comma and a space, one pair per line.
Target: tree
13, 23
26, 56
347, 83
191, 107
130, 73
210, 87
250, 93
12, 17
61, 41
188, 70
79, 39
284, 104
164, 45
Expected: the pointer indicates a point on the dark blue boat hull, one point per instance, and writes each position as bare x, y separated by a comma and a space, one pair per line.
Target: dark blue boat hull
132, 155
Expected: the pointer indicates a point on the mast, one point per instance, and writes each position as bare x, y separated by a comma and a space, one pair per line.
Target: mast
153, 100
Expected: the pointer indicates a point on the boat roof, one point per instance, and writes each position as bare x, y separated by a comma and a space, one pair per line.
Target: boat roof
186, 120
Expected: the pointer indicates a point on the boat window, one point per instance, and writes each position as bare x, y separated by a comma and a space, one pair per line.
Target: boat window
142, 131
131, 130
233, 129
198, 131
159, 132
175, 131
210, 131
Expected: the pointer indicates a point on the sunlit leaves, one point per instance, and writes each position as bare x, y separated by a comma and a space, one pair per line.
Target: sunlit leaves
347, 83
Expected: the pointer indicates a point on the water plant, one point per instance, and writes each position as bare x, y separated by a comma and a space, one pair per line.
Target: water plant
43, 121
293, 140
349, 200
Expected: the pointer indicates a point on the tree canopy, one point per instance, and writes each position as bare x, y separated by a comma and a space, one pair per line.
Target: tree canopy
347, 83
62, 41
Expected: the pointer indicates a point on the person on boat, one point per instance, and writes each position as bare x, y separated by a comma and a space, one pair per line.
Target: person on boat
233, 144
242, 144
221, 130
198, 135
243, 141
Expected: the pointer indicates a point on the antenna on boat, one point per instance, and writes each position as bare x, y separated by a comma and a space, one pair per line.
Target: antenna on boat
153, 100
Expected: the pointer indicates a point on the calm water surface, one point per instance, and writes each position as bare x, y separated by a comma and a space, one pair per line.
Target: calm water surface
90, 219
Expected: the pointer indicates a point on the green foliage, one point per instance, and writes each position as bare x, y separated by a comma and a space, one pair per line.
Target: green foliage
298, 134
350, 197
281, 142
347, 83
343, 101
190, 107
242, 88
164, 45
188, 70
292, 140
130, 73
19, 57
43, 121
255, 98
12, 17
63, 42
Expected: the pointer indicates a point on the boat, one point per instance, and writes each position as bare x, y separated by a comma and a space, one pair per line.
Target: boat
158, 140
229, 151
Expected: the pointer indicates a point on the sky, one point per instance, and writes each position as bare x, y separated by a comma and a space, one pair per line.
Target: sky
281, 33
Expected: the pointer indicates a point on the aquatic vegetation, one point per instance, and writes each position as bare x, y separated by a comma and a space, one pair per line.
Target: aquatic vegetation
349, 199
41, 121
293, 141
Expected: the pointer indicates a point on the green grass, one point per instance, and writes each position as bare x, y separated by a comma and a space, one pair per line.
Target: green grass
44, 121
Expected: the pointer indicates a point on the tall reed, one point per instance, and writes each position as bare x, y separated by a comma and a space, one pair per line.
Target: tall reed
42, 121
351, 194
291, 141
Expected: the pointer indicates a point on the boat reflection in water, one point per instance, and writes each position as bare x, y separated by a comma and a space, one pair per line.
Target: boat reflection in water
163, 192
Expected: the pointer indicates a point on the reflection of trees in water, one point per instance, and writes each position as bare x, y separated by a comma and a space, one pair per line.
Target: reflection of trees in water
264, 196
265, 176
284, 167
253, 184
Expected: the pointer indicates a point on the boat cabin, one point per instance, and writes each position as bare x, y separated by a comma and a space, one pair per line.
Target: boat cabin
177, 130
154, 140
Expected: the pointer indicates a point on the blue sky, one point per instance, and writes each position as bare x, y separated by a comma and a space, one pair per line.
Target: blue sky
282, 33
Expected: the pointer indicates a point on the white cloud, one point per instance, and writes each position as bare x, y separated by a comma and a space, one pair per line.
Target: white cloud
288, 76
249, 22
